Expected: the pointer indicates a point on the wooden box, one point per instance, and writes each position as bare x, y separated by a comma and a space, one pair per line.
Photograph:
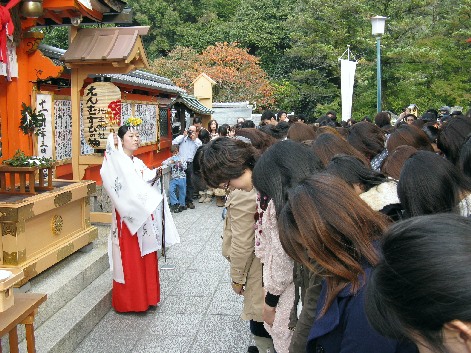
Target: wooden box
6, 288
39, 231
27, 176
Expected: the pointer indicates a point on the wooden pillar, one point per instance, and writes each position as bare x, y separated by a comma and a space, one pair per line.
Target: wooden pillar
77, 78
18, 91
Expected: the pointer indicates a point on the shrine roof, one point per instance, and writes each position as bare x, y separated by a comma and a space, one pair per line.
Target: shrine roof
193, 104
111, 44
136, 78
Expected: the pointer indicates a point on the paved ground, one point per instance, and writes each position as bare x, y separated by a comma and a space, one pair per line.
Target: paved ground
198, 312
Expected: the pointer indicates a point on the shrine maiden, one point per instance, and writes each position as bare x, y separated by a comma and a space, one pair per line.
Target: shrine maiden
136, 229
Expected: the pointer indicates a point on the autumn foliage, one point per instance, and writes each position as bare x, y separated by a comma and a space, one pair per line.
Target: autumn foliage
238, 74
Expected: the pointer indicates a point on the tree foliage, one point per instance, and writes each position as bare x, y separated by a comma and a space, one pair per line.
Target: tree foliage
423, 53
56, 36
425, 56
237, 74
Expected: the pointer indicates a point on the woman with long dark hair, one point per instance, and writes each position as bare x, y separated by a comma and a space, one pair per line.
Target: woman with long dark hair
213, 129
421, 286
452, 136
325, 220
465, 157
408, 135
280, 167
431, 184
327, 145
369, 140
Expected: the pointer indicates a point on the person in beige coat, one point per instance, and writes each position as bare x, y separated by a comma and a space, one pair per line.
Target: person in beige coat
238, 247
227, 163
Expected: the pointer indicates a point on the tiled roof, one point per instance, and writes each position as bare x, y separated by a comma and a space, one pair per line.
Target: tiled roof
150, 81
193, 104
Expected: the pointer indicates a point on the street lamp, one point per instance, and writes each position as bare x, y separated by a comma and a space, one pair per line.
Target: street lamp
377, 30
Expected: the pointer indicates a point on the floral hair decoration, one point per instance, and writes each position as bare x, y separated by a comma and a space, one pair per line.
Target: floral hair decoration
133, 122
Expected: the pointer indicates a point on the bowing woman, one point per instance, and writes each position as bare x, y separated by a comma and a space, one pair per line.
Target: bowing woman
326, 221
136, 231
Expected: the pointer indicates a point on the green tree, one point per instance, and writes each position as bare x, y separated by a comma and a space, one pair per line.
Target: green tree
425, 64
164, 20
320, 33
56, 36
423, 53
188, 23
263, 26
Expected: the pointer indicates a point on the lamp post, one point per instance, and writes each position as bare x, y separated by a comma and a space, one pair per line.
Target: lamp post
377, 30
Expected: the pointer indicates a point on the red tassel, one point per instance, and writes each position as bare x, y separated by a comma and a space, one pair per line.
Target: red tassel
6, 27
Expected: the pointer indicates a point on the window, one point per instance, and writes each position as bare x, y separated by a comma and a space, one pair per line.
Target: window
163, 114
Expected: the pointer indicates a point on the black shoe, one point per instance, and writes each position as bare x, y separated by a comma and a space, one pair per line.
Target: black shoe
182, 208
175, 208
190, 205
252, 349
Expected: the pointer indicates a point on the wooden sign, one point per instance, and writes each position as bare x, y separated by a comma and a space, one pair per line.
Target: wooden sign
45, 105
101, 112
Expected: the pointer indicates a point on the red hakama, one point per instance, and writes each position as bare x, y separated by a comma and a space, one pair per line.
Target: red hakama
141, 276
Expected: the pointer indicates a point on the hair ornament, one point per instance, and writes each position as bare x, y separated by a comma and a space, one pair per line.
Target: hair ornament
133, 122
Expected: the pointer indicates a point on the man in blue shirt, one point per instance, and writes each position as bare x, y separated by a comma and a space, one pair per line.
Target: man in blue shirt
188, 144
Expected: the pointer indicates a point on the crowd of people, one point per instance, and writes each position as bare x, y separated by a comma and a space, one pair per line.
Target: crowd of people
348, 238
353, 238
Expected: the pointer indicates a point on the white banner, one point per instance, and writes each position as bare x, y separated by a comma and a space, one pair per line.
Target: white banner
9, 68
347, 77
44, 104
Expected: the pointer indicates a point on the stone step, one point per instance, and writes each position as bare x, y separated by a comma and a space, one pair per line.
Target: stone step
62, 284
64, 330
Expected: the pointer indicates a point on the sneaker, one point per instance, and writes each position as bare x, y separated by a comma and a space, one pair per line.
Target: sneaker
190, 205
175, 208
202, 198
208, 199
182, 207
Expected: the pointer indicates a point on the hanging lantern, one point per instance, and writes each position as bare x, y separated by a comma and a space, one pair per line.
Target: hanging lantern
101, 112
32, 8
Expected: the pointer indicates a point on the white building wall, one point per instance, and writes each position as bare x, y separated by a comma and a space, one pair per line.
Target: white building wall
228, 113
